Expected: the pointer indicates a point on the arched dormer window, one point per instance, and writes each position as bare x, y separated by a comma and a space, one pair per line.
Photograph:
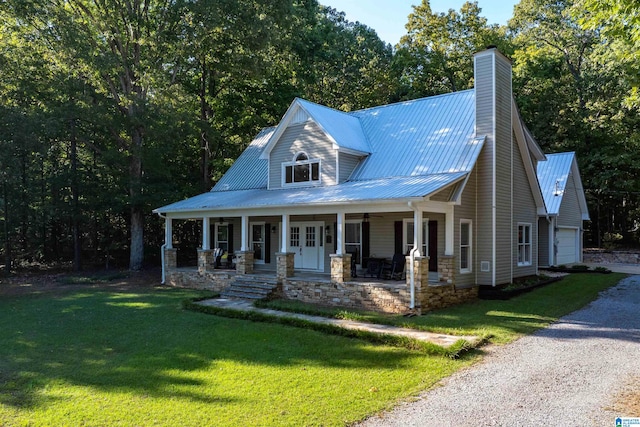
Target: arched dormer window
301, 170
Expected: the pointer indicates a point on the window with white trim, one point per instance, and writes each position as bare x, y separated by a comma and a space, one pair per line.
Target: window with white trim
524, 244
408, 236
465, 246
302, 170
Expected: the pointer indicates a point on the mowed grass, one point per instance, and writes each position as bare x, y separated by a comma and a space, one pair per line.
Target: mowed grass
502, 321
136, 358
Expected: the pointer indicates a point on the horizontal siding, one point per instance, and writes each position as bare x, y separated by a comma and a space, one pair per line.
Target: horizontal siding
485, 171
504, 172
467, 210
570, 214
524, 211
348, 163
442, 196
543, 242
307, 137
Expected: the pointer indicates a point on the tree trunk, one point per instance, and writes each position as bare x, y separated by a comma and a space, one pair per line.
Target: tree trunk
7, 239
77, 265
136, 250
204, 135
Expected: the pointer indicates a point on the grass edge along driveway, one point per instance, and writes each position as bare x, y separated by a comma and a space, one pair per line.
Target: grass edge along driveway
136, 358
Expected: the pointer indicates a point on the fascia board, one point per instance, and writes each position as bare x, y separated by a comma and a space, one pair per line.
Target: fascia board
577, 183
532, 176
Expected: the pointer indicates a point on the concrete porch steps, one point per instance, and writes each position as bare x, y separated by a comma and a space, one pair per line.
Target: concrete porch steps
251, 288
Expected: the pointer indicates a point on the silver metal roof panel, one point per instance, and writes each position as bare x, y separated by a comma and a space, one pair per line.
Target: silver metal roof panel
420, 137
356, 191
248, 171
552, 176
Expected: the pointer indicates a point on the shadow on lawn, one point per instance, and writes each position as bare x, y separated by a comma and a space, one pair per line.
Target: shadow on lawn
145, 344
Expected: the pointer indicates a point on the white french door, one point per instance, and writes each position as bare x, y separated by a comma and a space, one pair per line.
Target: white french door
306, 242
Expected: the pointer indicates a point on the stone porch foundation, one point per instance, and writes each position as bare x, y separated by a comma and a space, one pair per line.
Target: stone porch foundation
340, 268
244, 262
338, 290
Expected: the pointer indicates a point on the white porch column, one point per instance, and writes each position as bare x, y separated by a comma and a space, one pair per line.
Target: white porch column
449, 228
340, 248
284, 247
244, 246
417, 231
206, 234
168, 233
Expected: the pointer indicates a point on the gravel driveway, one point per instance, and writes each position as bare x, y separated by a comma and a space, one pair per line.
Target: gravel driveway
568, 374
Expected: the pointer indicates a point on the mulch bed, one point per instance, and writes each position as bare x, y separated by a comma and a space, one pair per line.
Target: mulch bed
498, 293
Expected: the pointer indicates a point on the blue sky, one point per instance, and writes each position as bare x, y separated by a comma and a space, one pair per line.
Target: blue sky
388, 17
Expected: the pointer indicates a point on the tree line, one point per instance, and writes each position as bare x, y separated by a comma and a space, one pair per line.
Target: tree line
110, 108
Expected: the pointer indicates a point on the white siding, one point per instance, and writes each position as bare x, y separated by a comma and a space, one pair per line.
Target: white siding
307, 137
348, 163
570, 214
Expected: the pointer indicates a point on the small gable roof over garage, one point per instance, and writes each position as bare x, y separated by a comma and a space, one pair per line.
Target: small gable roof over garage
554, 175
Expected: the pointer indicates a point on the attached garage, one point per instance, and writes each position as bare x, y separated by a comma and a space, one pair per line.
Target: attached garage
561, 227
568, 244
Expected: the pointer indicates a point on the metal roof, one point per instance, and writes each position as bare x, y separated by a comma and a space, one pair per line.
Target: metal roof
359, 191
420, 137
416, 148
248, 171
552, 176
344, 128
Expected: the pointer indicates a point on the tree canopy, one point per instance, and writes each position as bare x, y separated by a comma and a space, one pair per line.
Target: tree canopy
111, 108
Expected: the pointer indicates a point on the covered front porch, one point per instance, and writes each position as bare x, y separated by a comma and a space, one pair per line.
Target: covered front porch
330, 257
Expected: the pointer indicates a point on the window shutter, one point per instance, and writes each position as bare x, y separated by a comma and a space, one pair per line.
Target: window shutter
366, 243
230, 237
397, 228
267, 243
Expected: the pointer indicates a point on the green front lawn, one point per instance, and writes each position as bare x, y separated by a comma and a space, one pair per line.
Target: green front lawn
136, 358
503, 321
107, 359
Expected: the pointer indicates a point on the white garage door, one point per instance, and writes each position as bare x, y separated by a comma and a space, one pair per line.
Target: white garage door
567, 246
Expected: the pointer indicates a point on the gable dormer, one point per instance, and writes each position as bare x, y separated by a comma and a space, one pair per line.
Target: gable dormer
314, 146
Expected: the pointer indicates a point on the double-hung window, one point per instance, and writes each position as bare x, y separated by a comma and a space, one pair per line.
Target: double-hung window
302, 170
465, 246
524, 244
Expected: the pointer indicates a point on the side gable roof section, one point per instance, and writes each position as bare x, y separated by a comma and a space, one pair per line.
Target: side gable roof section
528, 149
553, 176
420, 137
343, 130
249, 170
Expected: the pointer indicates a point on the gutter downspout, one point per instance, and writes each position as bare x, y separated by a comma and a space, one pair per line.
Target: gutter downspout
412, 260
162, 248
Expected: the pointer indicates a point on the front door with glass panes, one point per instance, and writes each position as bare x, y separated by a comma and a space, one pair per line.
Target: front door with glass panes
306, 242
353, 240
258, 242
222, 237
